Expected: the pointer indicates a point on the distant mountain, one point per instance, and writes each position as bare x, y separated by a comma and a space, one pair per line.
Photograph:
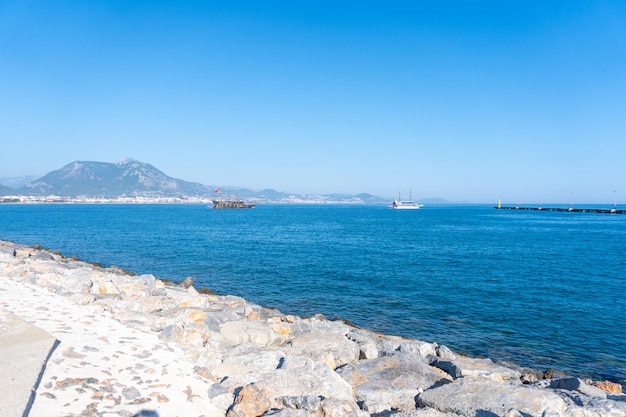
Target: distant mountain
273, 196
435, 201
245, 193
441, 201
270, 194
7, 190
104, 179
17, 182
131, 178
369, 198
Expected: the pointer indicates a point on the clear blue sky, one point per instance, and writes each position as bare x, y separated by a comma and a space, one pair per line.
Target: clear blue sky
463, 100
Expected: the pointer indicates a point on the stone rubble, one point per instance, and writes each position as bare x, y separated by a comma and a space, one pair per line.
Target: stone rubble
138, 346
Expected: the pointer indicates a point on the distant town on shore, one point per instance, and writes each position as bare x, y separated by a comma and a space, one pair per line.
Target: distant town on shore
134, 182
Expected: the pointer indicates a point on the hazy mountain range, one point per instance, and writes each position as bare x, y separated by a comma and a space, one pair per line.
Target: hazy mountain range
131, 178
104, 179
6, 190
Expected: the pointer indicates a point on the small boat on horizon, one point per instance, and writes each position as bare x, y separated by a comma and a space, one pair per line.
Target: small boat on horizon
230, 202
400, 204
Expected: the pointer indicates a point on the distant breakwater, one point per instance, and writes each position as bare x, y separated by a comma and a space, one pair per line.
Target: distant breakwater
565, 209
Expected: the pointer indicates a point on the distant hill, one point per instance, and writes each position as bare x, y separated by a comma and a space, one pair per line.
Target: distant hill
435, 201
131, 178
17, 182
440, 201
369, 198
268, 194
7, 190
104, 179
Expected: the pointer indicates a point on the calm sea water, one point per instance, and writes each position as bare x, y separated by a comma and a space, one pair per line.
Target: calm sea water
540, 289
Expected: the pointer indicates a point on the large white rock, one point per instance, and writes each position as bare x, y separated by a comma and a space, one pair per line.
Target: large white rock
187, 335
411, 348
290, 412
242, 364
124, 285
252, 400
469, 397
390, 383
186, 297
571, 384
465, 367
246, 331
333, 349
319, 324
584, 406
300, 376
52, 276
370, 344
426, 412
217, 315
332, 407
317, 407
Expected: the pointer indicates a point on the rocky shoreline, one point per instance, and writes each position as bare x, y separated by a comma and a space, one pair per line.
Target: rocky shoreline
136, 345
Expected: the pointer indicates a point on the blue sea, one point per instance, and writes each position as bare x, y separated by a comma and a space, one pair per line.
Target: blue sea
540, 289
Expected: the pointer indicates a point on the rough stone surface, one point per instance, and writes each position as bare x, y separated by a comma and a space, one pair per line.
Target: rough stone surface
572, 384
300, 376
606, 386
463, 366
240, 332
244, 363
333, 349
252, 401
370, 344
410, 348
580, 405
468, 397
421, 412
388, 383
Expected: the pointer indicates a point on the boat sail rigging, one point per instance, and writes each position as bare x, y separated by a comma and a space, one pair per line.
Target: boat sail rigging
230, 202
400, 204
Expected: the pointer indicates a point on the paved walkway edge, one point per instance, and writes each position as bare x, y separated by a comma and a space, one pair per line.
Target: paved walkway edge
24, 353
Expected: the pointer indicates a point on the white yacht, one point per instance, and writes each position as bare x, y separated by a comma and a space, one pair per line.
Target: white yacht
400, 204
